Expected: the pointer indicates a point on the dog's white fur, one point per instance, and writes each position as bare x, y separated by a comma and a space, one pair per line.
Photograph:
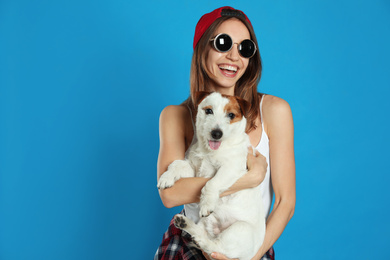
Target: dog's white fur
233, 225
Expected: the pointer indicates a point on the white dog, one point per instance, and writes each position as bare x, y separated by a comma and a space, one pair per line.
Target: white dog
233, 225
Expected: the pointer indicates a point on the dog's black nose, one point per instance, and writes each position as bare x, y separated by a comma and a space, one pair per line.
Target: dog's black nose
216, 134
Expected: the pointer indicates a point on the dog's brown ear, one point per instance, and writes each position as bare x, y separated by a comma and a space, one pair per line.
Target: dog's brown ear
244, 105
199, 96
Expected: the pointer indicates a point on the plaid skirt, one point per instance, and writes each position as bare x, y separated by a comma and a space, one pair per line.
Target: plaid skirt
175, 246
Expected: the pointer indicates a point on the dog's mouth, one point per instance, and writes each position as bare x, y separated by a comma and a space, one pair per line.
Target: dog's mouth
214, 145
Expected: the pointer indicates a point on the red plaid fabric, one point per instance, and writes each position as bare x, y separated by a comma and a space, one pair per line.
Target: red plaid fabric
176, 246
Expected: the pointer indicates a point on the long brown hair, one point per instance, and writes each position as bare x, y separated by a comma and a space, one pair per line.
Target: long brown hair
246, 86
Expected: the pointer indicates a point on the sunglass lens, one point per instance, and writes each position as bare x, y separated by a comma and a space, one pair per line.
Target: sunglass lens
223, 43
247, 48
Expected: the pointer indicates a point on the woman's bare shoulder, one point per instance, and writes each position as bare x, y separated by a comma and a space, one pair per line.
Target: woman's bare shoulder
276, 113
176, 119
174, 112
274, 104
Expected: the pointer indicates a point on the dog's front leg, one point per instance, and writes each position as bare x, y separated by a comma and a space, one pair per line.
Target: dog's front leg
176, 170
225, 177
206, 170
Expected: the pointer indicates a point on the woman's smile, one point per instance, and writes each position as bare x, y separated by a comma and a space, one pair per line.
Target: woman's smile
228, 70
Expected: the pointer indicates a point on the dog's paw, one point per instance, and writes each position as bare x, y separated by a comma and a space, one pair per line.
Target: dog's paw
165, 182
180, 221
207, 207
208, 200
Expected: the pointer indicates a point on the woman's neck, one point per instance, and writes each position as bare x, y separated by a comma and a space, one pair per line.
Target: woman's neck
223, 90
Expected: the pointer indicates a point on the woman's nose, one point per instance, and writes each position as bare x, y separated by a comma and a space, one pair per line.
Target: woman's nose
233, 53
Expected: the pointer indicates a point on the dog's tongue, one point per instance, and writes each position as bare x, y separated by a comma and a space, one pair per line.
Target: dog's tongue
214, 145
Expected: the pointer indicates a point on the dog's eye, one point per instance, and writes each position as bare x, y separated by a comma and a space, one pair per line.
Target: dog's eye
209, 111
231, 116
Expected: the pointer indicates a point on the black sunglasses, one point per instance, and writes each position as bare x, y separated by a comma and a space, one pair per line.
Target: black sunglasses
224, 43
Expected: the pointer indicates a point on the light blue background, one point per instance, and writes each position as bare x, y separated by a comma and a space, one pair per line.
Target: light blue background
82, 84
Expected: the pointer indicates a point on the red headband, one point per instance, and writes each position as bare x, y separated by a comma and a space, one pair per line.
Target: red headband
206, 20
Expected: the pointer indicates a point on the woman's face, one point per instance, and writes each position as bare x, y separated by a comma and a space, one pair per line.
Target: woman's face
228, 67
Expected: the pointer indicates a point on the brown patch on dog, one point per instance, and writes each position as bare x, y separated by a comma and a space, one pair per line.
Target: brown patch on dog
207, 107
233, 107
199, 96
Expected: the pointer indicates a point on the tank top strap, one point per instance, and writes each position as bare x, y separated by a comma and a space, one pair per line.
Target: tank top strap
261, 111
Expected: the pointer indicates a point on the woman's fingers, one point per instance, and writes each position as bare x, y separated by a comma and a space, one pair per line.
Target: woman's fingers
254, 158
218, 256
257, 165
250, 149
253, 152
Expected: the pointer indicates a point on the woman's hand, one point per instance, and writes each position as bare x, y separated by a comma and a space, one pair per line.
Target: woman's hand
257, 166
217, 256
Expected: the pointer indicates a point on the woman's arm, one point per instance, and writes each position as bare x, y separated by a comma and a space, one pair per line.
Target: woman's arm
280, 129
174, 121
173, 127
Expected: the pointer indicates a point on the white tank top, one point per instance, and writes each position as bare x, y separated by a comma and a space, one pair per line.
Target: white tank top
192, 210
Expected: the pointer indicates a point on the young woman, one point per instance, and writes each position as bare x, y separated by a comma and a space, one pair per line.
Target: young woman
226, 59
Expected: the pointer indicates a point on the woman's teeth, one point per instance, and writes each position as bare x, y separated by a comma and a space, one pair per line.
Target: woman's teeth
229, 68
